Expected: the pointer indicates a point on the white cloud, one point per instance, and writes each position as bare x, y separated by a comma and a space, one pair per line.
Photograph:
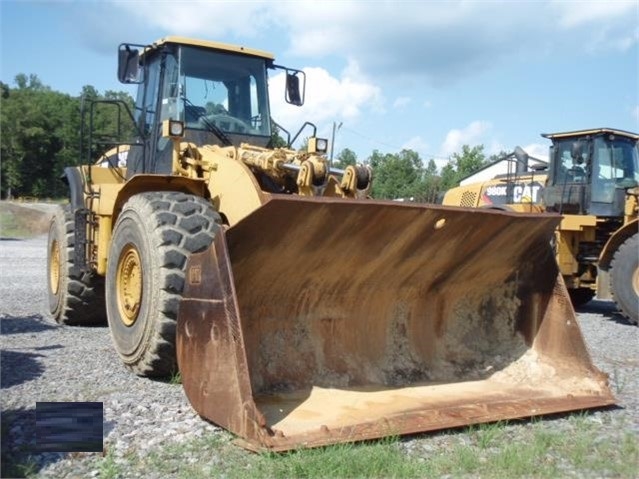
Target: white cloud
418, 144
574, 14
494, 147
328, 99
473, 134
401, 102
635, 113
439, 42
445, 41
611, 24
210, 20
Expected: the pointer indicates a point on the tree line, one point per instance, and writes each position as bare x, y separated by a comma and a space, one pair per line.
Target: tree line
406, 176
41, 136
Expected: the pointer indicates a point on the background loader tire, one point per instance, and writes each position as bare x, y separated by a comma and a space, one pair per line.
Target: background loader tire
75, 298
152, 239
624, 278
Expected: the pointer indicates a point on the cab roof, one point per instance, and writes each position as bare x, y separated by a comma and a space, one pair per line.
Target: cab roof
594, 131
213, 46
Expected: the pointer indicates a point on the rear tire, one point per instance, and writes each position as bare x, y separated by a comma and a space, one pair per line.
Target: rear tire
580, 296
624, 278
152, 239
75, 298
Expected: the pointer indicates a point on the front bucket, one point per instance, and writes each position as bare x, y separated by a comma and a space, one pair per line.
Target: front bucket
318, 321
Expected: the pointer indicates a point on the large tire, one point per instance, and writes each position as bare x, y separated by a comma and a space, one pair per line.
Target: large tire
580, 296
75, 298
152, 239
624, 278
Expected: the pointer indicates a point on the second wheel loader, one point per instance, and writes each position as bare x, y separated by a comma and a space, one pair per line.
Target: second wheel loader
299, 311
592, 180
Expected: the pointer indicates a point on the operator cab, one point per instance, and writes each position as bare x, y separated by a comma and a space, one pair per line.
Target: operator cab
590, 171
218, 92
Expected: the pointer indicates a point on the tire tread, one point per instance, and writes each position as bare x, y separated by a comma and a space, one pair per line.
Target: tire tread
179, 224
83, 300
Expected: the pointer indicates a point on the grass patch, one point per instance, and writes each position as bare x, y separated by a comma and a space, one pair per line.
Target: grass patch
217, 456
618, 380
17, 221
526, 449
176, 378
487, 434
11, 226
109, 468
14, 462
382, 458
25, 468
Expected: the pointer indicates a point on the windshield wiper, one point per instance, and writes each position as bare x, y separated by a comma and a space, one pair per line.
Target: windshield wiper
213, 128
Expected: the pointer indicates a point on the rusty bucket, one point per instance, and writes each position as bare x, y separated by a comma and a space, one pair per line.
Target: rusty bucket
319, 321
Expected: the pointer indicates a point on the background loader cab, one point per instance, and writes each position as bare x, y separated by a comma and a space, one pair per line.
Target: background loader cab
591, 172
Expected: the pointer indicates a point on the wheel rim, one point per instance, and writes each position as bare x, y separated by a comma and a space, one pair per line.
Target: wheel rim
129, 285
635, 281
54, 267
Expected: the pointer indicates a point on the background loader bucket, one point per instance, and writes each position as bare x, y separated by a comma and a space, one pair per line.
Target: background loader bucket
317, 321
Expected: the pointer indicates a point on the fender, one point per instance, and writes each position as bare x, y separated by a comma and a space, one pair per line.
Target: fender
613, 243
73, 177
144, 182
114, 196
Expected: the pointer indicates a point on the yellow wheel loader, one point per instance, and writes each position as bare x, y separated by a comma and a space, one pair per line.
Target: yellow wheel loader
299, 311
592, 180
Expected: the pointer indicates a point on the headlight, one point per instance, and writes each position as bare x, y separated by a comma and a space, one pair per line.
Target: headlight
173, 128
317, 145
176, 128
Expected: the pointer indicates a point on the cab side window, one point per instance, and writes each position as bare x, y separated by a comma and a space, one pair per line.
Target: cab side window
147, 96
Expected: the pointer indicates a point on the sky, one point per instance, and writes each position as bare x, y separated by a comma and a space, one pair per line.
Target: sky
429, 76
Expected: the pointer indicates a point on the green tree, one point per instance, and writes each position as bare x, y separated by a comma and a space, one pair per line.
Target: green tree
345, 158
30, 119
498, 156
107, 119
432, 183
397, 175
462, 165
277, 141
40, 135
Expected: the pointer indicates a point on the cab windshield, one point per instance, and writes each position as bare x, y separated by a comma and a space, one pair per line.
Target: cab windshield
210, 89
616, 165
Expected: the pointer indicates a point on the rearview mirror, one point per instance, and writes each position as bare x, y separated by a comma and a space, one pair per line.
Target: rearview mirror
129, 65
295, 94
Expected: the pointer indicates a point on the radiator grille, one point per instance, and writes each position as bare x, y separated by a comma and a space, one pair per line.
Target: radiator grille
468, 199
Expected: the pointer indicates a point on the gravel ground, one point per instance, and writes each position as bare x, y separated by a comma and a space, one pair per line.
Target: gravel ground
42, 361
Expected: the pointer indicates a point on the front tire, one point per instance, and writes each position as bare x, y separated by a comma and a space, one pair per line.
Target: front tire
624, 278
75, 298
152, 239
